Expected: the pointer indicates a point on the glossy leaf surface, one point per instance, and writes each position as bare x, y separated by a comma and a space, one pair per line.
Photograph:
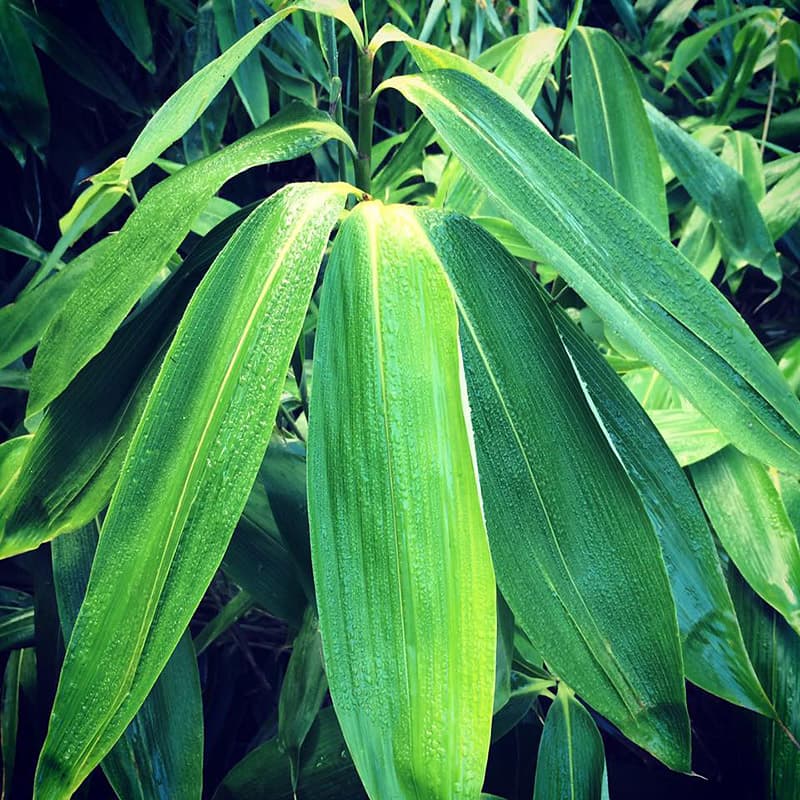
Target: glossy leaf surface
187, 475
632, 277
404, 580
575, 553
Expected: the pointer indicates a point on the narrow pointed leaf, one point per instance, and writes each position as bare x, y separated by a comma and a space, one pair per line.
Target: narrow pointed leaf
614, 135
161, 751
633, 278
775, 650
781, 205
575, 554
714, 653
720, 191
75, 457
750, 519
571, 764
148, 239
128, 19
402, 569
187, 474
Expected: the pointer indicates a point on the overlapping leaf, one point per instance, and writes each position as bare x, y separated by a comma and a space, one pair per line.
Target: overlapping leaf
647, 293
575, 553
403, 574
187, 475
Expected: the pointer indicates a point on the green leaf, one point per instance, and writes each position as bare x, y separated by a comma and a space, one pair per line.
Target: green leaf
234, 20
775, 649
714, 654
721, 192
571, 764
781, 205
747, 513
689, 435
77, 452
18, 677
326, 769
161, 752
128, 19
402, 569
150, 237
648, 294
575, 554
690, 48
187, 475
12, 457
303, 690
666, 24
22, 93
614, 136
14, 242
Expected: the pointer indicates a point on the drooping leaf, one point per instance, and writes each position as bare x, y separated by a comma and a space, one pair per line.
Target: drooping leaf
614, 135
575, 553
633, 278
326, 769
714, 654
403, 575
781, 205
775, 650
161, 751
128, 19
747, 512
720, 191
150, 236
186, 476
74, 460
571, 764
304, 687
22, 93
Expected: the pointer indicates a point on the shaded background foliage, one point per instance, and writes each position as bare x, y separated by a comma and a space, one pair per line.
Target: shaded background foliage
99, 96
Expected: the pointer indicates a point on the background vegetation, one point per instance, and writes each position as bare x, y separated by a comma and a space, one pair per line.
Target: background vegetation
688, 109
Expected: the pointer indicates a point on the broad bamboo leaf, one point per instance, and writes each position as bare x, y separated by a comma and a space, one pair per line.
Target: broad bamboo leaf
161, 752
714, 654
614, 136
721, 192
12, 456
22, 93
74, 461
571, 764
747, 513
648, 294
326, 769
128, 19
775, 649
148, 239
689, 435
575, 554
186, 476
14, 242
403, 574
303, 690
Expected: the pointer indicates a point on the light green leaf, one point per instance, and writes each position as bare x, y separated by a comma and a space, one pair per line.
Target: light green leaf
161, 752
150, 236
18, 243
575, 554
713, 651
721, 192
571, 764
648, 294
614, 136
689, 434
747, 513
403, 574
76, 455
187, 475
781, 205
